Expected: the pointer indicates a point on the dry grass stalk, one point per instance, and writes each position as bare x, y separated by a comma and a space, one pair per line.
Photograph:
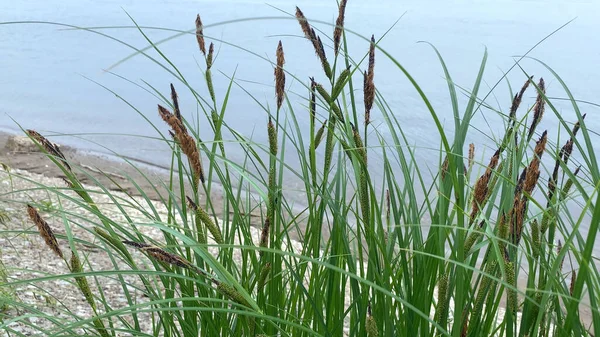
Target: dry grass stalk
339, 25
538, 110
279, 76
480, 192
185, 141
50, 147
45, 230
200, 34
369, 84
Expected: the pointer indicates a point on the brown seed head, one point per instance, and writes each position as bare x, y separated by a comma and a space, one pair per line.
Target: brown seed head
200, 34
471, 154
279, 76
50, 147
209, 57
176, 104
339, 25
518, 98
558, 250
138, 245
369, 84
185, 141
538, 110
308, 33
480, 191
166, 257
264, 235
533, 172
45, 230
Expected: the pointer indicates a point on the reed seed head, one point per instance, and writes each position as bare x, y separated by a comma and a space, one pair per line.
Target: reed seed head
387, 205
538, 110
279, 76
308, 33
210, 56
368, 82
264, 234
558, 250
319, 134
44, 230
471, 154
262, 278
176, 104
339, 25
185, 141
518, 98
50, 147
482, 185
200, 34
533, 172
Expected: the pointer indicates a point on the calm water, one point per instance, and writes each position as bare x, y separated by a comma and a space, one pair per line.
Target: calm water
48, 73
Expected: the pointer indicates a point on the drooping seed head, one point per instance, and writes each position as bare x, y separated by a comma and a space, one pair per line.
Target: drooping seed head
533, 172
518, 98
339, 25
279, 76
44, 230
538, 110
200, 34
50, 147
176, 104
185, 141
368, 82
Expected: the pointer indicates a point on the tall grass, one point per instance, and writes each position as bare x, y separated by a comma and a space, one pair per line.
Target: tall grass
367, 263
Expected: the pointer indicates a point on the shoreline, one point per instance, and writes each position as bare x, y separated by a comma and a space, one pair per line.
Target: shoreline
127, 175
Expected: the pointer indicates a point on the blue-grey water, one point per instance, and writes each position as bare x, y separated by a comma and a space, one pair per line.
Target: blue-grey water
51, 77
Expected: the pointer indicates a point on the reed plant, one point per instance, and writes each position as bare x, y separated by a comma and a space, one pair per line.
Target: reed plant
480, 251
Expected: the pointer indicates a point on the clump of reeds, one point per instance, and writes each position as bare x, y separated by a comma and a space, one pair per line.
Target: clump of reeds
45, 230
185, 142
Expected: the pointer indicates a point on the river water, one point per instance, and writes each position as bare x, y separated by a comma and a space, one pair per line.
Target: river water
50, 76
